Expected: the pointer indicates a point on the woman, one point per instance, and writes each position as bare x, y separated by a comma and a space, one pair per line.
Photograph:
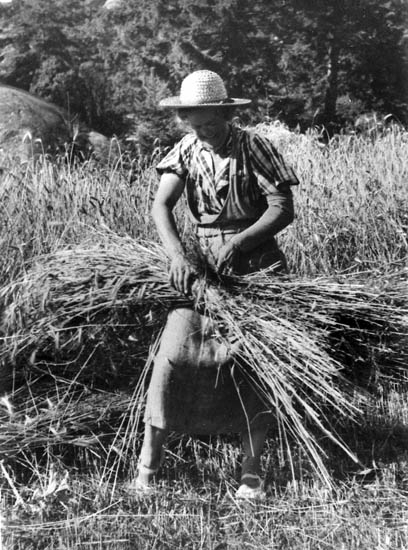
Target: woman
239, 197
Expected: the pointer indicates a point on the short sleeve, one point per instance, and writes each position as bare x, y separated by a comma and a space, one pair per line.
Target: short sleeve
268, 165
176, 160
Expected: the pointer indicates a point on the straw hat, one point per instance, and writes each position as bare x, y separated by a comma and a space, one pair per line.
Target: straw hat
203, 89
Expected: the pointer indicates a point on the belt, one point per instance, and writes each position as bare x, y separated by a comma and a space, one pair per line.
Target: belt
239, 225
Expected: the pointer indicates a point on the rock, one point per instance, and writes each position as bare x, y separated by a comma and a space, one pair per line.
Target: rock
30, 127
113, 4
372, 124
101, 148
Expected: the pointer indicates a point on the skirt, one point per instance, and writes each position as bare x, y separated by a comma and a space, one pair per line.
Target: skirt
197, 385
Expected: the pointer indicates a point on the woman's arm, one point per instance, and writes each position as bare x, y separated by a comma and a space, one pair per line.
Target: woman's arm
181, 270
276, 217
170, 189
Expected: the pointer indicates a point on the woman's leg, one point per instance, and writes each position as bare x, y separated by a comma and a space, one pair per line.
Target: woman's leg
253, 441
151, 454
253, 444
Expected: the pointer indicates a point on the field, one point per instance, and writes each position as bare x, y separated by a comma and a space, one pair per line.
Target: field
68, 412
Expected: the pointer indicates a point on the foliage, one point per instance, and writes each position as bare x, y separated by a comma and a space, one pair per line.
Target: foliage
294, 58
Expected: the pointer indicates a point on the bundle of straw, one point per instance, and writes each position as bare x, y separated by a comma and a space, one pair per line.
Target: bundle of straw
69, 418
285, 325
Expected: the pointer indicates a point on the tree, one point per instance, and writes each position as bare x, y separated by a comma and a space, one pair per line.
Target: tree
354, 48
297, 59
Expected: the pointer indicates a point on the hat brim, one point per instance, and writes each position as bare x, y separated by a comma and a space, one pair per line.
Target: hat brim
175, 103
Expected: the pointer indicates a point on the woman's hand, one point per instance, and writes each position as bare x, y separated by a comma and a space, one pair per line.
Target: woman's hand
182, 273
227, 255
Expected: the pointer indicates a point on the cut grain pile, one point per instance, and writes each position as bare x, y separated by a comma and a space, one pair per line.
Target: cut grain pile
299, 337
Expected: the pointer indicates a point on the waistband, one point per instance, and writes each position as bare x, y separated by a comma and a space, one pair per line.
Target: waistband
216, 229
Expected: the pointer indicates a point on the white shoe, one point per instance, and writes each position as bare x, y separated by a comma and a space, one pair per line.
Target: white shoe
138, 486
251, 488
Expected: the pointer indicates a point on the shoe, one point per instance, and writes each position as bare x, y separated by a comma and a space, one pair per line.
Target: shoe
251, 488
144, 483
139, 486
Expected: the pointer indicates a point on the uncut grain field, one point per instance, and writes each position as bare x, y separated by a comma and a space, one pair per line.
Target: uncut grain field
73, 385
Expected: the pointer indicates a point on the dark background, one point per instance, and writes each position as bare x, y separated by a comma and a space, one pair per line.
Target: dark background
314, 62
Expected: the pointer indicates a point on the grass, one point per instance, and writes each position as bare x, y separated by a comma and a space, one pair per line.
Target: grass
196, 508
62, 433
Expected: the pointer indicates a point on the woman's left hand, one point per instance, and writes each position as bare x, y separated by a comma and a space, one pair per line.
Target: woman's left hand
226, 256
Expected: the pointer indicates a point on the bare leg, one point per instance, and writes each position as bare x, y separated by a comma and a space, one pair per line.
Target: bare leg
149, 461
253, 443
151, 453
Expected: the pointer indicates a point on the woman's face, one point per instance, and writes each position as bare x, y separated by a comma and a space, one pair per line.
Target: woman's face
209, 125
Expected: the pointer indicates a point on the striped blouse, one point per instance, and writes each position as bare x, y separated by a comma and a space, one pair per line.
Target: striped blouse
190, 160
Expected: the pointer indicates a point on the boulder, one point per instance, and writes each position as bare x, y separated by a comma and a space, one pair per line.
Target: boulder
30, 127
373, 124
113, 4
96, 145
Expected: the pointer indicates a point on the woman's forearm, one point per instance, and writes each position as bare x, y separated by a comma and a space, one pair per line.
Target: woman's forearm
181, 272
170, 189
166, 227
276, 217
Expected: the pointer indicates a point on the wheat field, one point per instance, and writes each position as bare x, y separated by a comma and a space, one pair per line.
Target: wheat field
68, 409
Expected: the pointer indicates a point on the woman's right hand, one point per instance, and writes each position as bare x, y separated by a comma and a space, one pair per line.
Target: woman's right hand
182, 274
